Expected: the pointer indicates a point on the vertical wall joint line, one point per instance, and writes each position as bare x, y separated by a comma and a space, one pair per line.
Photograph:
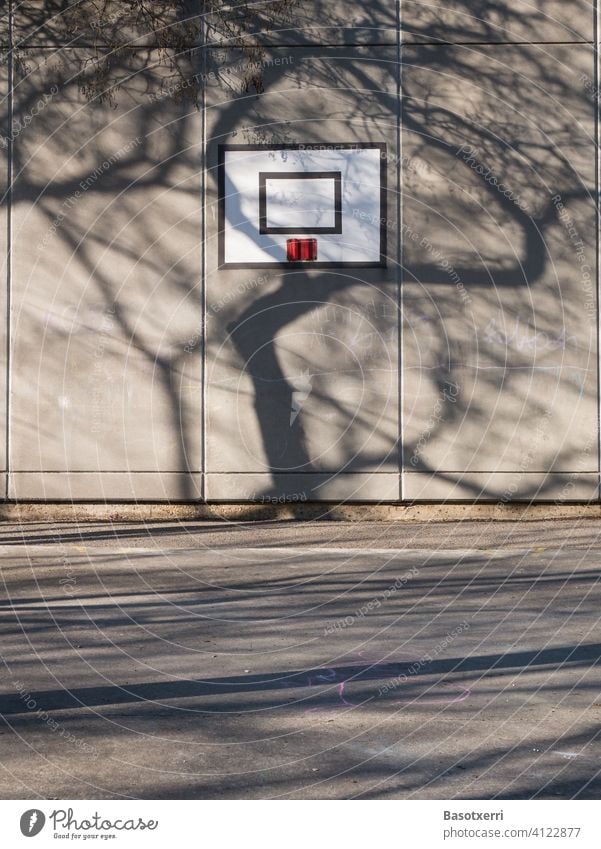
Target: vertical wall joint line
9, 203
399, 247
597, 76
203, 262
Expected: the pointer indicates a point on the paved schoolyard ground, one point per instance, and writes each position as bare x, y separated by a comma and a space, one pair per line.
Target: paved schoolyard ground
300, 660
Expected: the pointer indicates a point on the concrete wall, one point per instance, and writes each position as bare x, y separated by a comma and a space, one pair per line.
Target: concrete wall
106, 401
466, 369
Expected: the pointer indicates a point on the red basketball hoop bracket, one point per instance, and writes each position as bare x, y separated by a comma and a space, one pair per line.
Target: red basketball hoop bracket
301, 250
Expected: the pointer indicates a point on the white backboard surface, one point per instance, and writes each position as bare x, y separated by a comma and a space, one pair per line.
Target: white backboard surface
333, 193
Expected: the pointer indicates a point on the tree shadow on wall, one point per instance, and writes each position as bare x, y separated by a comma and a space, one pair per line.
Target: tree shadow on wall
498, 233
497, 322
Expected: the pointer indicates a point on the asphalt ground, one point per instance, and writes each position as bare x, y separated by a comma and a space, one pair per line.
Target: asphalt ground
296, 660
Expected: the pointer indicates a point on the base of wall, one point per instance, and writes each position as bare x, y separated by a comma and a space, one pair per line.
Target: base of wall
308, 511
249, 490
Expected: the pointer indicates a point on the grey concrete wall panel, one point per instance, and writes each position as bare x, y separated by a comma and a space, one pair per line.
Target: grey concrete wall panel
530, 21
297, 489
106, 351
304, 22
322, 22
4, 26
302, 365
502, 488
61, 23
499, 293
105, 486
